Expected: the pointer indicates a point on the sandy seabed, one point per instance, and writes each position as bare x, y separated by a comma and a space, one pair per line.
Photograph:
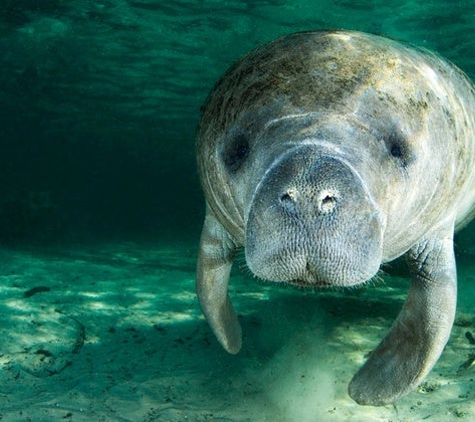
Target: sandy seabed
113, 332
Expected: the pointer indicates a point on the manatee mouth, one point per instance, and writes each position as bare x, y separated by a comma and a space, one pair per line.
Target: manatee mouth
307, 284
309, 278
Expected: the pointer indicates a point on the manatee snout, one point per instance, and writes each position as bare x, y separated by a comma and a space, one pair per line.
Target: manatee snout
312, 222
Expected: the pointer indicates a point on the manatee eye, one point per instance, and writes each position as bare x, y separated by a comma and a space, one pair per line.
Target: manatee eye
236, 152
397, 146
396, 151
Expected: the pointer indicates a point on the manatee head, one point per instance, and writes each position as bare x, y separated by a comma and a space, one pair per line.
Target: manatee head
298, 152
302, 147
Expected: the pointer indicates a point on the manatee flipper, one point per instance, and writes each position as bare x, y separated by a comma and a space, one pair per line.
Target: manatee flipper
420, 332
215, 258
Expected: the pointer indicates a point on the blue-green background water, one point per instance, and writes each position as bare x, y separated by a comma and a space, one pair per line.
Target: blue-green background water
99, 102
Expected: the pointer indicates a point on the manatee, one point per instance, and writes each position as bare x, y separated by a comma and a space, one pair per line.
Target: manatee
326, 154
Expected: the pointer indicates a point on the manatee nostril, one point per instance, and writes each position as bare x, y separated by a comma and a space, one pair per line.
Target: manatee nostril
327, 202
289, 196
286, 198
288, 201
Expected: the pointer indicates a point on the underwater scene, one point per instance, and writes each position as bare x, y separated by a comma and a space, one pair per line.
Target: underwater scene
101, 213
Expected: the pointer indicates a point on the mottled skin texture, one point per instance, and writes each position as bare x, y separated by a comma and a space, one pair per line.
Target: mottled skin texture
326, 154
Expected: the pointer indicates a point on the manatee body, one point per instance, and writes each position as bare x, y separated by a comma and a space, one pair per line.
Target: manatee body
326, 154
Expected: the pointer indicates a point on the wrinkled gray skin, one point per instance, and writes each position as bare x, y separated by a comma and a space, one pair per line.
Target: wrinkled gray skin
326, 154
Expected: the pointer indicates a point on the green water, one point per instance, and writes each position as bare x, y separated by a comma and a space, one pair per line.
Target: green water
100, 203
